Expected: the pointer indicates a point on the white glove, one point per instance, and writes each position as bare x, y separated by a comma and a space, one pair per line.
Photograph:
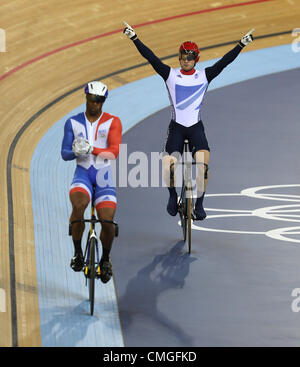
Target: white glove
81, 146
129, 32
248, 38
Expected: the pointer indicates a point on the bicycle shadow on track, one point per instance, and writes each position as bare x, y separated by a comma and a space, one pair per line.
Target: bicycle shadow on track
68, 323
139, 303
67, 327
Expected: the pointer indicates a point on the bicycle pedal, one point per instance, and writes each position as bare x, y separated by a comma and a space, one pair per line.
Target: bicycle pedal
86, 271
98, 272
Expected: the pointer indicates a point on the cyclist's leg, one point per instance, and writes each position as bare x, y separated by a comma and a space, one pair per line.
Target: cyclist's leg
80, 196
173, 150
202, 159
105, 203
107, 235
107, 229
79, 200
201, 154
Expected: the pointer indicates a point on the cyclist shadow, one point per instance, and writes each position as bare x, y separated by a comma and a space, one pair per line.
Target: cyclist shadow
69, 323
67, 326
166, 272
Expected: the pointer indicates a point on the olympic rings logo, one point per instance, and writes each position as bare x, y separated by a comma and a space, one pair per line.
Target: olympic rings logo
269, 214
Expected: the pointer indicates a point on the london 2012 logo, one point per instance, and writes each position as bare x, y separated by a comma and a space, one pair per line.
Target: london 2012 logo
247, 212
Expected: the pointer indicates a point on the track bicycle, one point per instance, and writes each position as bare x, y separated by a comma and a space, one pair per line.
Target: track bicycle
186, 200
91, 267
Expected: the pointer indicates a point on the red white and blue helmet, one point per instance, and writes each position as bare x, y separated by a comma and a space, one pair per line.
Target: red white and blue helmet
97, 88
190, 48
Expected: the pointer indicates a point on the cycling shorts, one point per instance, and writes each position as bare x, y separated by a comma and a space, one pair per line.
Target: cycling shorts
97, 184
178, 133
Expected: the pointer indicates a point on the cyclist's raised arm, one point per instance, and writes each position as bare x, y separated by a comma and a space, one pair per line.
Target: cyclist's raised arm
215, 70
162, 69
66, 147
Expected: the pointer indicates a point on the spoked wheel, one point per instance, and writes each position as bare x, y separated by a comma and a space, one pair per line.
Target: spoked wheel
91, 279
182, 213
185, 212
189, 222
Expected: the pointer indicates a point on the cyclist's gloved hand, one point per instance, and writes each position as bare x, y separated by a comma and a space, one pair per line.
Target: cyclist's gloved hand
248, 38
81, 146
90, 149
129, 32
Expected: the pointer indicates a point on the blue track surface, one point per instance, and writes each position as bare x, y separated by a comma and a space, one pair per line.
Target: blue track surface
235, 287
150, 264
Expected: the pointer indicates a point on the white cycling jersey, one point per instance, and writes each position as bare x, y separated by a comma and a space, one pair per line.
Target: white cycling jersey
186, 93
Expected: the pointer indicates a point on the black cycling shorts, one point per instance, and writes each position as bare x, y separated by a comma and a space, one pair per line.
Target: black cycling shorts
178, 133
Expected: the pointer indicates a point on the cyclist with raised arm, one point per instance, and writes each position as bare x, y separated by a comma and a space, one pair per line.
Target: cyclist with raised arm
186, 88
93, 138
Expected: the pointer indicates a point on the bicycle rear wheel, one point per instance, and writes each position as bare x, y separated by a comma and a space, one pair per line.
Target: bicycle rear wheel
92, 274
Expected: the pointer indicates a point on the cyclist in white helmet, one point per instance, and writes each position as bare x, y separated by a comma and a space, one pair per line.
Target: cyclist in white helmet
93, 139
186, 88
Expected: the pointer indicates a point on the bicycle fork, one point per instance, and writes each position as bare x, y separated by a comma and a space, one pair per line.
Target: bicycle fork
92, 234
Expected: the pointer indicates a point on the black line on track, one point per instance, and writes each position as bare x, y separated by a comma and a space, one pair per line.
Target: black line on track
13, 145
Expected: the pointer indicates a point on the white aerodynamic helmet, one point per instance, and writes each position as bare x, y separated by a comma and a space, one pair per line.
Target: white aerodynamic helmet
96, 88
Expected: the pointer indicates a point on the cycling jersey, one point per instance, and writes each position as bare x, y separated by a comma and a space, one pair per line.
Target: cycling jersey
93, 174
186, 94
186, 89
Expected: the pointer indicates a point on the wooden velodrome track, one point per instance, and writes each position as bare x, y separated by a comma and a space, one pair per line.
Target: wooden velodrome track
53, 48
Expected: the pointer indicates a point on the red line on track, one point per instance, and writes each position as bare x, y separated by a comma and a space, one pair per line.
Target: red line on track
74, 44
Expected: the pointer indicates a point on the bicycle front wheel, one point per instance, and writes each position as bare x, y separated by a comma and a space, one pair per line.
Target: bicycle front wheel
189, 223
182, 211
92, 267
